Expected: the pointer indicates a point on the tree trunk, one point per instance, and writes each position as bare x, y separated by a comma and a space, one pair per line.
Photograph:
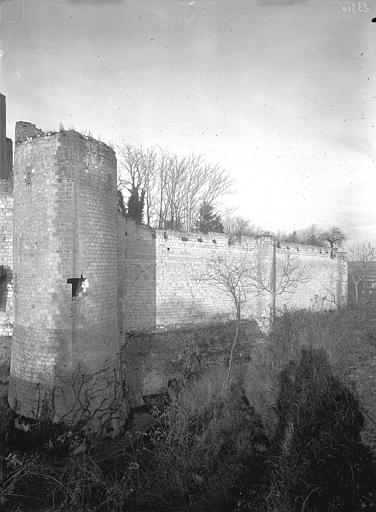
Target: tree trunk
273, 286
230, 362
160, 222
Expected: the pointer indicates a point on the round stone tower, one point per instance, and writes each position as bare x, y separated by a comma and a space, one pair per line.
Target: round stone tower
64, 360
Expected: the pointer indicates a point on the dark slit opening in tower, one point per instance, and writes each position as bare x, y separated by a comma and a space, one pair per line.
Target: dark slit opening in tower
77, 285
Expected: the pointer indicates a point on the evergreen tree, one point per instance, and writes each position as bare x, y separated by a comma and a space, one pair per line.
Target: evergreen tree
136, 204
209, 220
120, 202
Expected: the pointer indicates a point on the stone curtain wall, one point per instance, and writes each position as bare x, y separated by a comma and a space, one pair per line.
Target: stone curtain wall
120, 272
139, 304
321, 280
186, 290
366, 286
66, 339
167, 278
169, 298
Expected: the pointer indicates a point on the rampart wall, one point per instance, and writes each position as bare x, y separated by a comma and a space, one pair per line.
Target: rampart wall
170, 288
168, 282
188, 291
169, 278
318, 280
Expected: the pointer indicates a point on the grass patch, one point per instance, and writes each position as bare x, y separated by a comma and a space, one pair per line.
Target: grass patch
295, 433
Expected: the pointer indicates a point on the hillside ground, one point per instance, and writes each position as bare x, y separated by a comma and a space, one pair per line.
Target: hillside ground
295, 432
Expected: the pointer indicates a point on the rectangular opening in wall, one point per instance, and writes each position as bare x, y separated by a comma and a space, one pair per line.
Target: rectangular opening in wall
78, 285
3, 288
5, 278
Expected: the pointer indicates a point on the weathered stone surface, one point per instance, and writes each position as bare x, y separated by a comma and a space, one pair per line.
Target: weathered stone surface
66, 340
167, 278
26, 131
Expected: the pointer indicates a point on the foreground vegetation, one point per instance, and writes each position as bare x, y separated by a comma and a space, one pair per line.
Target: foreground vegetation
294, 432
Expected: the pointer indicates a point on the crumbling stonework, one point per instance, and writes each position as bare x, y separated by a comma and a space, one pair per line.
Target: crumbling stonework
26, 131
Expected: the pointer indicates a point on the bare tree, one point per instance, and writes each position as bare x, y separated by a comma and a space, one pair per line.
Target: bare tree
336, 295
361, 256
138, 177
150, 177
234, 278
130, 167
284, 278
313, 235
188, 183
335, 237
172, 188
244, 279
236, 227
162, 178
292, 237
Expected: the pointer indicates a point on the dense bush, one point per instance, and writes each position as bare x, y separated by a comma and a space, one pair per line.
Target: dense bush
206, 444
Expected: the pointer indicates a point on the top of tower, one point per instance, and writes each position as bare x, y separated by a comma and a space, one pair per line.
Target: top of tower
26, 131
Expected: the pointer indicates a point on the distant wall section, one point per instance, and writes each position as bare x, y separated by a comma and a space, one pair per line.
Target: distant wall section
317, 279
362, 283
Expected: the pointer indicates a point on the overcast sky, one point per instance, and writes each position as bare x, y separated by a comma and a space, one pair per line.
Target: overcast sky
281, 93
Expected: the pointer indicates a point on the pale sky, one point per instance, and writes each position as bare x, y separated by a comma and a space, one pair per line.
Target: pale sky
280, 93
